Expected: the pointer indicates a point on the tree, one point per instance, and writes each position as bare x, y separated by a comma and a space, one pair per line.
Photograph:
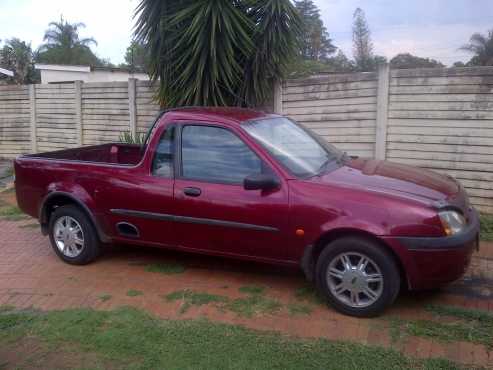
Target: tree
407, 60
364, 58
307, 67
217, 52
63, 46
137, 56
17, 56
341, 63
315, 41
362, 44
482, 48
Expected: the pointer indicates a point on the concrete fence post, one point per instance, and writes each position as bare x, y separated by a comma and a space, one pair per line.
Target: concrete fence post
278, 97
132, 106
382, 111
78, 113
32, 107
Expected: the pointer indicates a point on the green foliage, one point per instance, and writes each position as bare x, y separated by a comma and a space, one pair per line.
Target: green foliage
482, 48
191, 298
105, 297
364, 58
17, 56
406, 61
63, 46
6, 308
469, 326
132, 339
459, 65
308, 293
127, 138
12, 213
315, 41
254, 304
486, 232
299, 309
9, 172
362, 44
134, 293
252, 289
339, 63
217, 52
166, 268
29, 226
137, 57
462, 313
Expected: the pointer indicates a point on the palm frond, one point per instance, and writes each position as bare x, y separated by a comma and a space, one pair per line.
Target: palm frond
276, 38
216, 52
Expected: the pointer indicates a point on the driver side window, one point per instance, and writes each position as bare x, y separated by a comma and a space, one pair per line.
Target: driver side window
215, 154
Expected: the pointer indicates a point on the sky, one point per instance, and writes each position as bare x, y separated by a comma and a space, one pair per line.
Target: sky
427, 28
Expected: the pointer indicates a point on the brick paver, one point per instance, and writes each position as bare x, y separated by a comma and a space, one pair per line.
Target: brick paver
32, 276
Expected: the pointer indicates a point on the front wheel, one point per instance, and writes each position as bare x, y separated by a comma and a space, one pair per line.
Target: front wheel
357, 277
73, 236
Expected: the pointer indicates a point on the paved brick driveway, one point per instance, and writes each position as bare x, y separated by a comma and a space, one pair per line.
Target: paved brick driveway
32, 276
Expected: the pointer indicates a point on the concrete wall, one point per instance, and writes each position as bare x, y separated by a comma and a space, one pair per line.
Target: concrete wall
441, 119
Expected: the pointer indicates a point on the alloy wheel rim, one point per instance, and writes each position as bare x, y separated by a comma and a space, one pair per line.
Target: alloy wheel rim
69, 237
355, 279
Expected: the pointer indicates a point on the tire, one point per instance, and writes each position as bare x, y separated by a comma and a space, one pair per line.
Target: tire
69, 247
363, 299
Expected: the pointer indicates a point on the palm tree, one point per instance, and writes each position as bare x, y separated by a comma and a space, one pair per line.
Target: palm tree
482, 47
217, 52
63, 45
17, 55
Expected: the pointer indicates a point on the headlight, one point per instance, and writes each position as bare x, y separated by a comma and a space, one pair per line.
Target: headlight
453, 222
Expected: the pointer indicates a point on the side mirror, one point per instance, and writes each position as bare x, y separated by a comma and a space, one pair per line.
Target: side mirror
261, 182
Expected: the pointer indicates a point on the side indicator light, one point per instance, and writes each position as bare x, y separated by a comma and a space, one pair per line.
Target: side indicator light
300, 232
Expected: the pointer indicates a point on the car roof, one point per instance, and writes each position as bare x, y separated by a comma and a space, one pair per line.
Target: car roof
230, 114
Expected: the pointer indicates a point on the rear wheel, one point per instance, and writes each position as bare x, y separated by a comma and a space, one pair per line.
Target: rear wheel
73, 236
357, 277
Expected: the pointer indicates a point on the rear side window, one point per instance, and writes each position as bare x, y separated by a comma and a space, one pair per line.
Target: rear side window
162, 165
215, 154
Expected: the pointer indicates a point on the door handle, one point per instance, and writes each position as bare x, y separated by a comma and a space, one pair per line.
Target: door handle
192, 192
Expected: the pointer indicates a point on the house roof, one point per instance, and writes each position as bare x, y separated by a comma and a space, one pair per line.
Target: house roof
6, 72
82, 68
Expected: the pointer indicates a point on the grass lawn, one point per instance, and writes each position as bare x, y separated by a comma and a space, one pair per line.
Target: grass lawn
166, 268
486, 227
467, 325
131, 339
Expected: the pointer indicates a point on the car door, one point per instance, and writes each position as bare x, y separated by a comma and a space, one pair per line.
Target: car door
142, 198
215, 213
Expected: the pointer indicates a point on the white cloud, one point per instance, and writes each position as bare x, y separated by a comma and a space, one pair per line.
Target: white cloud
435, 31
427, 28
109, 21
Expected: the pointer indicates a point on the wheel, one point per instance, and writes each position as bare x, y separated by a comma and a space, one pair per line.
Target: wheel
73, 236
357, 277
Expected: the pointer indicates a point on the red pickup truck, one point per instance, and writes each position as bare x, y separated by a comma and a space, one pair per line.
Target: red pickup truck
244, 184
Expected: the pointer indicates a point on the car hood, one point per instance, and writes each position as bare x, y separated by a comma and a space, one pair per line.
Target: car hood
395, 178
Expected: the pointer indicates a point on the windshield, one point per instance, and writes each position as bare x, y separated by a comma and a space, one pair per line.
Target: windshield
299, 150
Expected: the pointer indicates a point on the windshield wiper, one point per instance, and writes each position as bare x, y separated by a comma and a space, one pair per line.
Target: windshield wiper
324, 165
343, 157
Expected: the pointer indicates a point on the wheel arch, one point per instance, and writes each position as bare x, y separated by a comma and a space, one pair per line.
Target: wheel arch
57, 199
313, 251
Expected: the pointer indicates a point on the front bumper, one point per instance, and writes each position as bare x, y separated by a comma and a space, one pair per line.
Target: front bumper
431, 262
